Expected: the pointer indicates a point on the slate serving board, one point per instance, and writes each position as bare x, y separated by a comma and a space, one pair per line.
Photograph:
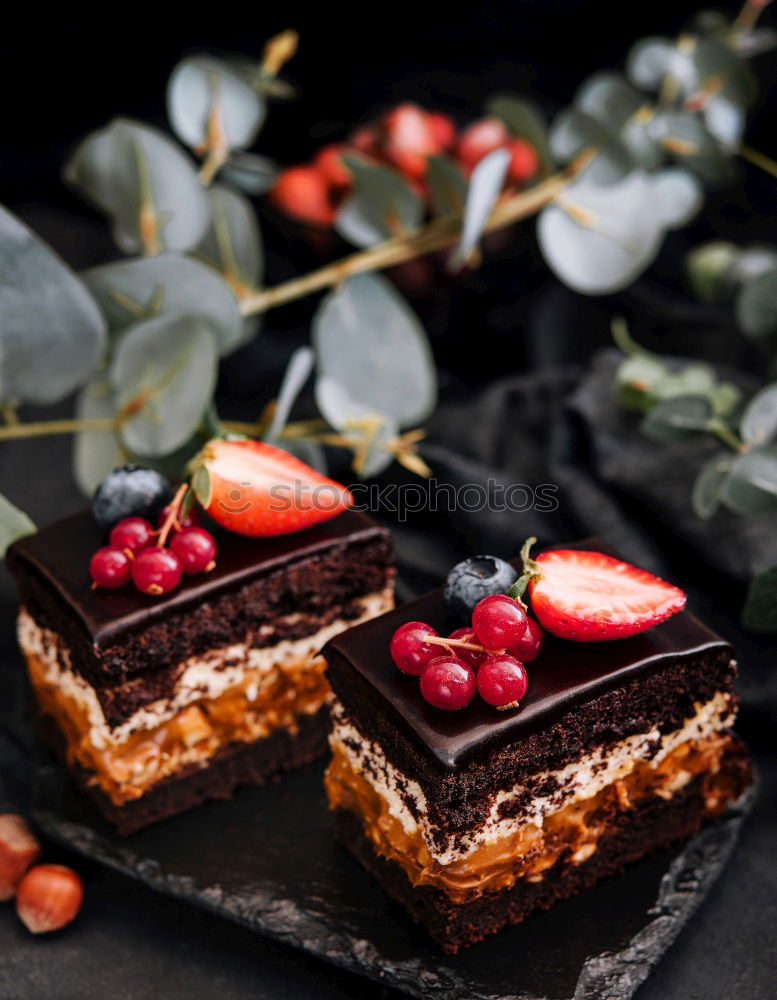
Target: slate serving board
268, 860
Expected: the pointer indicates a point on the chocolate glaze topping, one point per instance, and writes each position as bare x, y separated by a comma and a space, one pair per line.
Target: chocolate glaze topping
564, 674
58, 556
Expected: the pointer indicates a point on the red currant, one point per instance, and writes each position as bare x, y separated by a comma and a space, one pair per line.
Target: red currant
474, 657
133, 533
502, 680
524, 162
408, 649
110, 567
448, 683
196, 548
499, 621
156, 571
528, 647
190, 520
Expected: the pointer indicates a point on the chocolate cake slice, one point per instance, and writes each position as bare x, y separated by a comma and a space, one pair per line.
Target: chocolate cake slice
473, 819
160, 703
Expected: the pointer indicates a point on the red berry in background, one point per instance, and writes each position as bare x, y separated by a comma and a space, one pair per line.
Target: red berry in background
133, 533
110, 567
366, 140
196, 548
443, 130
304, 193
502, 680
528, 647
329, 160
410, 139
524, 162
474, 657
480, 139
409, 650
448, 683
499, 621
190, 520
156, 571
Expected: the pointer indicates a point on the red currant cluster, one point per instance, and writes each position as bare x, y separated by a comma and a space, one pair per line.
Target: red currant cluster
139, 552
488, 657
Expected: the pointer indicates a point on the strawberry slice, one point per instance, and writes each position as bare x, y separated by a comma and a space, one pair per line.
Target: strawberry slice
254, 489
591, 597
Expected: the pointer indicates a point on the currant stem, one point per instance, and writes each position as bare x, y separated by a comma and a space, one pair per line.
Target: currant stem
439, 640
172, 518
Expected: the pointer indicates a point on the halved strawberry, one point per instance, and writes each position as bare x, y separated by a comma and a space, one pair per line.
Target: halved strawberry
254, 489
591, 597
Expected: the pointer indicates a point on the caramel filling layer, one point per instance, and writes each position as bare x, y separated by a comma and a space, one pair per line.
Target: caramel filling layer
570, 834
247, 712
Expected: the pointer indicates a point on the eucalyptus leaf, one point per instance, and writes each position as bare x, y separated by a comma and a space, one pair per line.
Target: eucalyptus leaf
368, 341
52, 335
709, 484
575, 130
233, 243
167, 285
709, 268
753, 261
297, 373
609, 98
202, 88
758, 425
755, 41
650, 60
95, 453
756, 308
524, 121
677, 417
309, 452
164, 374
635, 378
250, 172
760, 611
382, 205
599, 239
144, 183
677, 197
751, 487
14, 524
359, 422
447, 185
173, 465
685, 135
485, 186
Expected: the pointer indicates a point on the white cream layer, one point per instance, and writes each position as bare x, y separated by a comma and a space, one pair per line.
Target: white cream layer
206, 675
579, 780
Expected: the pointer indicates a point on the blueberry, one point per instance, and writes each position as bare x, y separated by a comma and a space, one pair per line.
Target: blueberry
472, 580
130, 491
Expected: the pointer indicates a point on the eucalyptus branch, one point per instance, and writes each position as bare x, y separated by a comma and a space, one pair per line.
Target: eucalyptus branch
724, 433
436, 235
50, 428
759, 160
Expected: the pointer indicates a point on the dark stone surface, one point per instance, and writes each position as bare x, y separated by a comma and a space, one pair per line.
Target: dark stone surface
268, 860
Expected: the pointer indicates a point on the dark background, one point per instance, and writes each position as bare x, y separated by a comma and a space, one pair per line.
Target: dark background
64, 75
